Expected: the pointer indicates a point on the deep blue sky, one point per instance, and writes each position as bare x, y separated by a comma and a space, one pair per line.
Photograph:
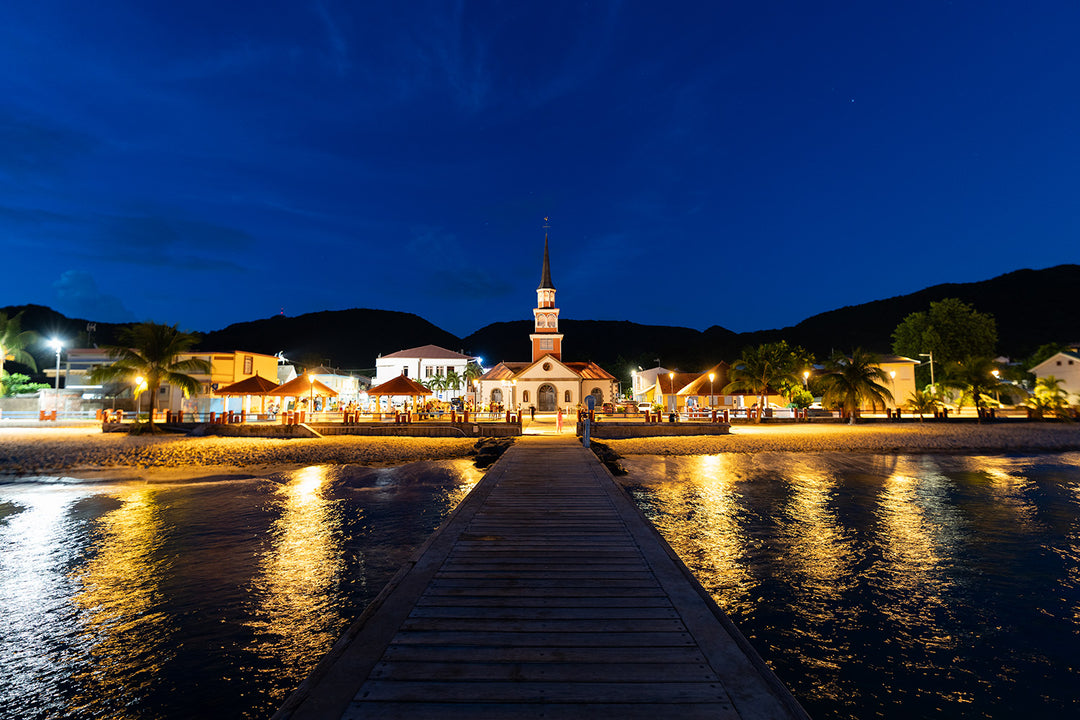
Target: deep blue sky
754, 163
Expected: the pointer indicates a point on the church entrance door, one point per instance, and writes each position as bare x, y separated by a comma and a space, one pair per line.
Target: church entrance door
546, 397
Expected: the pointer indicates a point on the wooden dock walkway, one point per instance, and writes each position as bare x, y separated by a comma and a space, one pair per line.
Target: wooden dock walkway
546, 594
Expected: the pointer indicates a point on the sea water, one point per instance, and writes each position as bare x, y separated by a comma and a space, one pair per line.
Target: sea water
899, 586
209, 598
925, 586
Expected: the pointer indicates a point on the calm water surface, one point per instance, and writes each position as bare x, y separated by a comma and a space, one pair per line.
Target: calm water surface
877, 586
201, 599
889, 586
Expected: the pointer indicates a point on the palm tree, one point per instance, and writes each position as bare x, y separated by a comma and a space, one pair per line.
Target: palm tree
453, 380
153, 352
435, 383
472, 372
921, 402
1049, 395
848, 381
974, 378
770, 365
12, 341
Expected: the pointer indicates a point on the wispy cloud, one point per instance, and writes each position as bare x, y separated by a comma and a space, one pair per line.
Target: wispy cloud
78, 295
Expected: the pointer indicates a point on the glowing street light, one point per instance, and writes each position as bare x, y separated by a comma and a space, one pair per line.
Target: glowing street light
806, 380
671, 377
712, 376
58, 346
997, 392
311, 401
140, 385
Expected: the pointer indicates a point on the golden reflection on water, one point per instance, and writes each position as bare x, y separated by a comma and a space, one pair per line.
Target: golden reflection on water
297, 590
118, 600
700, 519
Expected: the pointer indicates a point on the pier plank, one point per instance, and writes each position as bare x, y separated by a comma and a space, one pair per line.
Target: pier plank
544, 594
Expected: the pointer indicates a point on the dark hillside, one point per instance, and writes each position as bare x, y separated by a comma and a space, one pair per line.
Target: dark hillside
341, 338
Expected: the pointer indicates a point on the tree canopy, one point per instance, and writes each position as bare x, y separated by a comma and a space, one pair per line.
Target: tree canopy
769, 366
14, 340
850, 380
952, 330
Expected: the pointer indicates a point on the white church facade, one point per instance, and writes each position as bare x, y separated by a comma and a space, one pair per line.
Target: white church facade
547, 382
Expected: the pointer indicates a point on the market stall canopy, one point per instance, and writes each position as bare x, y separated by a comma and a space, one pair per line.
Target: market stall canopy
401, 385
253, 385
300, 386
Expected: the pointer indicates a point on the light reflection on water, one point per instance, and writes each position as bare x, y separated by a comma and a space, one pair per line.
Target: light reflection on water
204, 599
298, 585
888, 586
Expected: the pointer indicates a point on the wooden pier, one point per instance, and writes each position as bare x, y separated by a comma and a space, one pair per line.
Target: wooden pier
546, 594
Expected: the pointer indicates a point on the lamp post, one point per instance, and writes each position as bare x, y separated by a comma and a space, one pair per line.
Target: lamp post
57, 345
311, 395
139, 382
671, 377
806, 380
931, 356
997, 392
712, 376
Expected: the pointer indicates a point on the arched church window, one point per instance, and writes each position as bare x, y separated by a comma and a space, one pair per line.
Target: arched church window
567, 397
496, 395
598, 394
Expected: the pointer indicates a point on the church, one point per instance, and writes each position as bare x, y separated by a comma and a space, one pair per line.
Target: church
547, 382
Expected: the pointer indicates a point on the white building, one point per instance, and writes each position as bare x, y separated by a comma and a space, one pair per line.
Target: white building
1065, 366
421, 364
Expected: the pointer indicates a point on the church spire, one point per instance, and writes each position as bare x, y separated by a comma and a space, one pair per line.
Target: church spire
545, 276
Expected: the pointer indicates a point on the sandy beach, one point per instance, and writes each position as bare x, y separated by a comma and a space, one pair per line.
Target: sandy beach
86, 451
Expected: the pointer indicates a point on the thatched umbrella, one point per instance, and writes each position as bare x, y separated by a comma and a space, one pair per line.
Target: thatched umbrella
399, 386
254, 385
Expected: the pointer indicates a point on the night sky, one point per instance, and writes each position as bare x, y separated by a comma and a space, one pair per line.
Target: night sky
717, 163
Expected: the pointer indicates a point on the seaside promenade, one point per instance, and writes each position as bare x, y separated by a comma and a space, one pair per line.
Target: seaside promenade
545, 594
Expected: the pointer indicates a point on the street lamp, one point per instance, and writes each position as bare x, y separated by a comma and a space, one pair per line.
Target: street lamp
931, 356
997, 392
311, 401
671, 377
806, 380
712, 376
57, 345
140, 382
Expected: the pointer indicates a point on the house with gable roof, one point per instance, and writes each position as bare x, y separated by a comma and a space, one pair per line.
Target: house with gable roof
1065, 366
421, 364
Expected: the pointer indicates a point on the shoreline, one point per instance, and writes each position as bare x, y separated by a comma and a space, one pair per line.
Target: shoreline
88, 454
886, 439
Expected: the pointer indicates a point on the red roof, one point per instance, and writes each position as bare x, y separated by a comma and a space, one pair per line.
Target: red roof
401, 385
300, 386
433, 352
253, 385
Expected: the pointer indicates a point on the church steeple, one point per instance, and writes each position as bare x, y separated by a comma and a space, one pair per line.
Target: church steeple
546, 339
545, 275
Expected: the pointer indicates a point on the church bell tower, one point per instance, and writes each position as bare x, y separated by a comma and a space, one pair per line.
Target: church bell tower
546, 338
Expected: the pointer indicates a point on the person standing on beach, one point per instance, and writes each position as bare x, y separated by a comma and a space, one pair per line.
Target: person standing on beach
558, 421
